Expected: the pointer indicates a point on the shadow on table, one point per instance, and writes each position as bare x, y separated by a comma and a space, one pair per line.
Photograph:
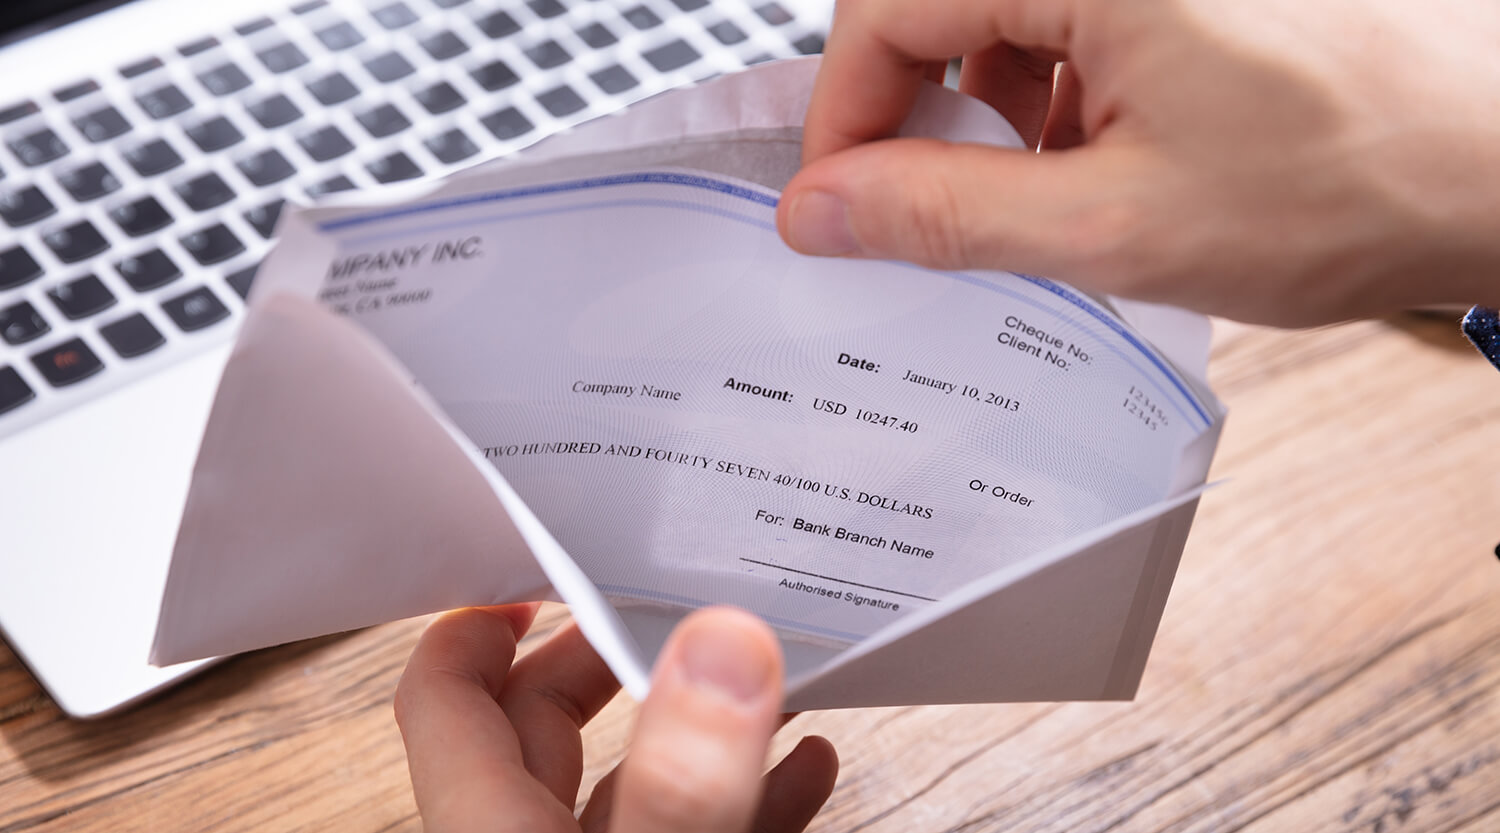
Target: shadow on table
1434, 329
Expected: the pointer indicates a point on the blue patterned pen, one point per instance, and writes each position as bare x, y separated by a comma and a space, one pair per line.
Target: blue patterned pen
1482, 326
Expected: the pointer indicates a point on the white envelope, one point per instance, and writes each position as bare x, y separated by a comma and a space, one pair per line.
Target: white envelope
332, 492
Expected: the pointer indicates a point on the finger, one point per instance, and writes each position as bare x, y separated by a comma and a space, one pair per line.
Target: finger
954, 206
465, 760
1064, 128
1016, 82
792, 792
702, 734
937, 71
550, 695
877, 52
595, 817
797, 788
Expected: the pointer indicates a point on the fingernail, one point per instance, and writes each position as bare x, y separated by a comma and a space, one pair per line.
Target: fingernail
820, 225
722, 654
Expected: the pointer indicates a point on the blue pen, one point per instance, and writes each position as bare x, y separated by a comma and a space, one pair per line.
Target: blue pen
1482, 326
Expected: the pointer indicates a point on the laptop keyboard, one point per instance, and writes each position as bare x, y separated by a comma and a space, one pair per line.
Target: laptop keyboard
136, 203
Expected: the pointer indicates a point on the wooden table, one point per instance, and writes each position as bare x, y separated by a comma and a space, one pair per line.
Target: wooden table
1329, 661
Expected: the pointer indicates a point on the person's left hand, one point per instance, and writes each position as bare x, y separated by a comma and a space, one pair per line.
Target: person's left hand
497, 748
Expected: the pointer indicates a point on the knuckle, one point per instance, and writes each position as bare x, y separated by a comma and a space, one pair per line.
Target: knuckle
930, 226
1113, 247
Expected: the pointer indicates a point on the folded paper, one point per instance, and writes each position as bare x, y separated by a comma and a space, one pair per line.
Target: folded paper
594, 373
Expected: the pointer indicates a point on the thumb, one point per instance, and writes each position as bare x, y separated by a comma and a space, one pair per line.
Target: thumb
701, 739
962, 206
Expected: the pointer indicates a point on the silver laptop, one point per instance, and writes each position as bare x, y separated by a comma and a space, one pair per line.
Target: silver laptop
146, 150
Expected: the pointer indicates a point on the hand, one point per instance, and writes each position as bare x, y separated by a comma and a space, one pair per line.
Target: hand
495, 748
1280, 161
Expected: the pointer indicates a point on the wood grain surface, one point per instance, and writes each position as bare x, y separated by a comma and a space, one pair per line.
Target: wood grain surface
1329, 660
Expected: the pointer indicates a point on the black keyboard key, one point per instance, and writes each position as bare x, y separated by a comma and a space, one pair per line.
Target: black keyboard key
89, 182
140, 68
546, 8
340, 36
17, 266
82, 297
195, 310
394, 16
69, 362
394, 168
507, 123
596, 36
670, 56
148, 270
204, 191
263, 218
76, 91
250, 27
727, 33
774, 14
197, 47
224, 79
332, 89
325, 143
561, 101
25, 206
642, 18
444, 45
212, 244
240, 281
448, 4
548, 54
14, 392
38, 148
440, 98
143, 216
388, 67
283, 57
452, 146
498, 25
16, 112
132, 336
331, 185
265, 168
102, 125
163, 102
690, 5
615, 79
153, 158
20, 323
310, 6
276, 111
809, 44
79, 241
383, 121
494, 75
215, 134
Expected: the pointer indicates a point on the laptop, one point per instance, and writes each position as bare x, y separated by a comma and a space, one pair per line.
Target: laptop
146, 150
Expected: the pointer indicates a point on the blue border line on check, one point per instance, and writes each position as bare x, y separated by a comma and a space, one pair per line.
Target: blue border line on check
741, 192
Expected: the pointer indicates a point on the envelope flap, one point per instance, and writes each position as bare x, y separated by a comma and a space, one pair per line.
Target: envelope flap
1074, 627
405, 524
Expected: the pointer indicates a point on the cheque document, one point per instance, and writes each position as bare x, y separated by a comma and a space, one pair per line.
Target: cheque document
700, 415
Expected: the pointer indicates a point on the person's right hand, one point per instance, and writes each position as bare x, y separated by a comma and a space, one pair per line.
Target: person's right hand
1282, 161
